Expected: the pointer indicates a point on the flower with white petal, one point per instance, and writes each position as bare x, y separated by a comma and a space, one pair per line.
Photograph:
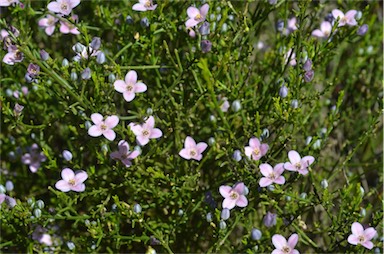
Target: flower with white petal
347, 19
192, 150
145, 131
298, 164
129, 87
103, 127
72, 181
361, 236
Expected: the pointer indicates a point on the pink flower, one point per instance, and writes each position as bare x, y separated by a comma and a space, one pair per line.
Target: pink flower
63, 6
324, 31
13, 56
144, 5
46, 239
68, 28
297, 163
196, 16
145, 131
361, 236
129, 87
11, 202
191, 150
49, 24
271, 175
124, 154
347, 19
34, 158
103, 127
256, 150
284, 247
291, 26
233, 196
71, 181
8, 2
224, 105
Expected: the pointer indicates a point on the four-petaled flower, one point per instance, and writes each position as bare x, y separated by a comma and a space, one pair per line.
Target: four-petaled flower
145, 131
192, 150
324, 31
103, 127
72, 181
13, 56
33, 158
297, 163
129, 86
63, 6
283, 246
68, 28
271, 175
144, 5
361, 236
49, 24
256, 150
196, 16
347, 19
124, 154
233, 196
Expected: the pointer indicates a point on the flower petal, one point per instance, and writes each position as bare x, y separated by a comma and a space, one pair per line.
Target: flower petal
191, 23
352, 239
248, 151
279, 168
184, 153
201, 147
225, 190
136, 128
318, 33
134, 154
242, 201
120, 86
156, 133
63, 186
239, 188
294, 157
292, 240
204, 10
81, 176
43, 22
368, 245
140, 87
229, 203
54, 7
370, 233
265, 169
254, 142
265, 182
192, 12
337, 14
131, 77
264, 149
279, 241
96, 118
129, 96
357, 228
79, 188
138, 7
306, 161
150, 122
280, 180
74, 3
94, 131
67, 174
289, 166
112, 121
110, 135
189, 142
142, 140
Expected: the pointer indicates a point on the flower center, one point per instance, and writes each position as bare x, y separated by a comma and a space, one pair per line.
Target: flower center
64, 6
286, 249
103, 127
18, 55
72, 182
148, 4
129, 87
361, 239
192, 153
298, 165
198, 17
234, 195
256, 151
272, 176
145, 133
124, 156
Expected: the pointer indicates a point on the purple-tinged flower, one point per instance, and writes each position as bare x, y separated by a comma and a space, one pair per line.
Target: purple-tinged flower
72, 181
5, 3
361, 236
192, 150
129, 87
206, 46
67, 155
33, 158
33, 70
46, 239
95, 43
297, 163
291, 26
307, 65
362, 30
124, 154
49, 24
309, 75
68, 28
283, 246
145, 131
103, 127
283, 92
191, 32
204, 29
18, 109
144, 5
271, 175
256, 150
11, 202
196, 16
86, 73
13, 56
233, 196
44, 55
347, 19
270, 219
224, 104
63, 6
324, 31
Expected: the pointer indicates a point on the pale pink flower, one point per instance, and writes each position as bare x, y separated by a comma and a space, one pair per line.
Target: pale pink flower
46, 239
124, 154
11, 202
145, 131
196, 16
129, 87
256, 150
361, 236
324, 31
290, 57
271, 175
297, 163
8, 2
233, 196
68, 28
103, 127
13, 56
33, 158
63, 6
283, 246
192, 150
291, 26
347, 19
224, 105
72, 181
49, 24
144, 5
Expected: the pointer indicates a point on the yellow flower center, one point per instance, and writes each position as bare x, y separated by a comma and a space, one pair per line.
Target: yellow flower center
103, 127
234, 195
72, 182
145, 133
286, 249
256, 151
198, 17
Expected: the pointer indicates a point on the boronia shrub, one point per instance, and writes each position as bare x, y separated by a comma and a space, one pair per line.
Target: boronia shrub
191, 126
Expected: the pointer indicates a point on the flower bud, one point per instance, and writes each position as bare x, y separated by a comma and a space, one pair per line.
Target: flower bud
288, 198
211, 141
192, 33
33, 70
180, 212
255, 234
225, 213
87, 125
149, 111
236, 105
30, 202
283, 91
324, 183
269, 219
111, 78
280, 25
212, 118
78, 48
303, 195
246, 190
144, 22
265, 134
9, 185
44, 55
18, 109
67, 155
86, 74
362, 30
363, 212
237, 155
308, 76
272, 2
358, 15
317, 144
308, 140
100, 58
206, 46
294, 103
37, 213
95, 43
329, 17
74, 76
71, 245
271, 187
224, 28
209, 217
65, 62
2, 189
129, 20
87, 223
137, 208
11, 202
307, 65
222, 225
204, 29
28, 78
